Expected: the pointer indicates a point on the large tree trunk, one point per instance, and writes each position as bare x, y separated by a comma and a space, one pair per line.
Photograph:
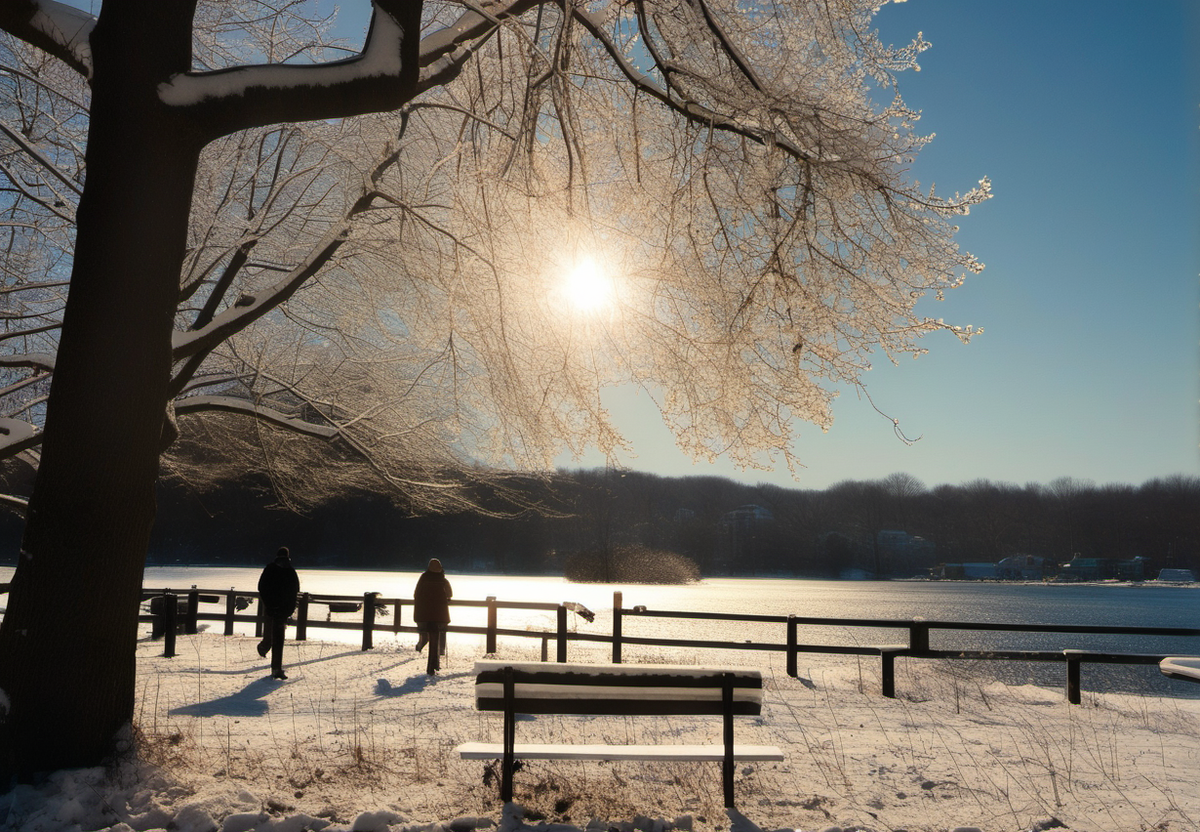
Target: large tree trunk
68, 638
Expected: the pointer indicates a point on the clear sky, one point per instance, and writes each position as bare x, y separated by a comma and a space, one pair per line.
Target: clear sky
1086, 117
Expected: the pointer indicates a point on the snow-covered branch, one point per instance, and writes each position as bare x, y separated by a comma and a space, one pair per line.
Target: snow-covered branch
61, 30
17, 436
381, 78
34, 360
243, 407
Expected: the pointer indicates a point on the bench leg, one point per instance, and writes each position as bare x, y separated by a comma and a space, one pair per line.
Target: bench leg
510, 732
506, 770
727, 763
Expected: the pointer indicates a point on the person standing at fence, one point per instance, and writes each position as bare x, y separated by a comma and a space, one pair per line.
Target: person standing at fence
278, 586
431, 611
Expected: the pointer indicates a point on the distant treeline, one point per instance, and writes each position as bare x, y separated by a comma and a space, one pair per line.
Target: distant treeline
894, 527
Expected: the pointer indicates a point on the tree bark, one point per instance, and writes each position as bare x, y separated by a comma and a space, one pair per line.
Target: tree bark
68, 638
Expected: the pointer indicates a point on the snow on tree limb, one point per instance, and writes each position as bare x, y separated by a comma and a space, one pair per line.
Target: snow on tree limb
230, 404
446, 51
33, 360
61, 30
17, 436
380, 78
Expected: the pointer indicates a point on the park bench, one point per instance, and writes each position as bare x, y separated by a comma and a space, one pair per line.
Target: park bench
618, 690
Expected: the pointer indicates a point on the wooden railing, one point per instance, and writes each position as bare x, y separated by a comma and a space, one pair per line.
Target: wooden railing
171, 611
181, 610
916, 646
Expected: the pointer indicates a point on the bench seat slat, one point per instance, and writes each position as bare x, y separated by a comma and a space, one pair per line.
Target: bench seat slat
618, 707
628, 673
525, 690
647, 676
665, 753
552, 688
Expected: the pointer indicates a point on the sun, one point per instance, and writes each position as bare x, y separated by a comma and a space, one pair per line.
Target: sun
588, 288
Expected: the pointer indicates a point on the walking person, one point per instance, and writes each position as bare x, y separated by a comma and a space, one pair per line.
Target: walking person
431, 611
278, 586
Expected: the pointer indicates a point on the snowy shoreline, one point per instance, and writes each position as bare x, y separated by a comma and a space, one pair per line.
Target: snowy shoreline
364, 741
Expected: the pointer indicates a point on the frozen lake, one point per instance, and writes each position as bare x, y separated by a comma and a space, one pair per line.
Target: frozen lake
1144, 605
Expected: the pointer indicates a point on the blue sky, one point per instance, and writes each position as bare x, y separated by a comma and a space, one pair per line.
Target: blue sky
1085, 116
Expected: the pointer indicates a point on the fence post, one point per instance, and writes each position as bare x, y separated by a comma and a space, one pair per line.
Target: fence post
259, 612
169, 601
1072, 657
791, 646
230, 609
887, 657
616, 628
396, 618
193, 610
918, 636
491, 625
368, 609
562, 632
302, 617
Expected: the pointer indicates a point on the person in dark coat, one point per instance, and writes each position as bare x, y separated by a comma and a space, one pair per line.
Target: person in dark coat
278, 586
431, 611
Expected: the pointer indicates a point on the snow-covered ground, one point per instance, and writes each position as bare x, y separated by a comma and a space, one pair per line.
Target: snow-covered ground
364, 741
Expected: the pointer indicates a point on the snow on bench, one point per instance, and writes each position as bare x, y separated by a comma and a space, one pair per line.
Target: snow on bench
616, 689
1181, 667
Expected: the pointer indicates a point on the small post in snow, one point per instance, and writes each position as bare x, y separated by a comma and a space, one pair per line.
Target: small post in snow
193, 610
918, 636
562, 633
368, 611
491, 625
616, 631
169, 601
791, 646
302, 617
230, 609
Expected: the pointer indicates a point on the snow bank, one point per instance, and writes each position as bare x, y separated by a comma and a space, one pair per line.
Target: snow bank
363, 742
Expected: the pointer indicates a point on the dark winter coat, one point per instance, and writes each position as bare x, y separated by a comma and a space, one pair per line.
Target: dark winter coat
278, 587
431, 598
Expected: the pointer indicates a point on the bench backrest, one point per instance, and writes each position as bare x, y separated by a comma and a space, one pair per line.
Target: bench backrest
553, 688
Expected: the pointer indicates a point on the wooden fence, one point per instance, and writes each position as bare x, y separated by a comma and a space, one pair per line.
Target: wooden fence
172, 611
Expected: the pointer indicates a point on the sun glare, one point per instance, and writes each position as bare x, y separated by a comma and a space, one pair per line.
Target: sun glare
588, 288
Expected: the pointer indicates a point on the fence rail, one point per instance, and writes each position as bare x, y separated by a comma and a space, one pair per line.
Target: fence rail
917, 645
170, 610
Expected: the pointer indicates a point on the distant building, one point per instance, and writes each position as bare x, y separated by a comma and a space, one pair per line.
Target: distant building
966, 571
1102, 569
1023, 568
